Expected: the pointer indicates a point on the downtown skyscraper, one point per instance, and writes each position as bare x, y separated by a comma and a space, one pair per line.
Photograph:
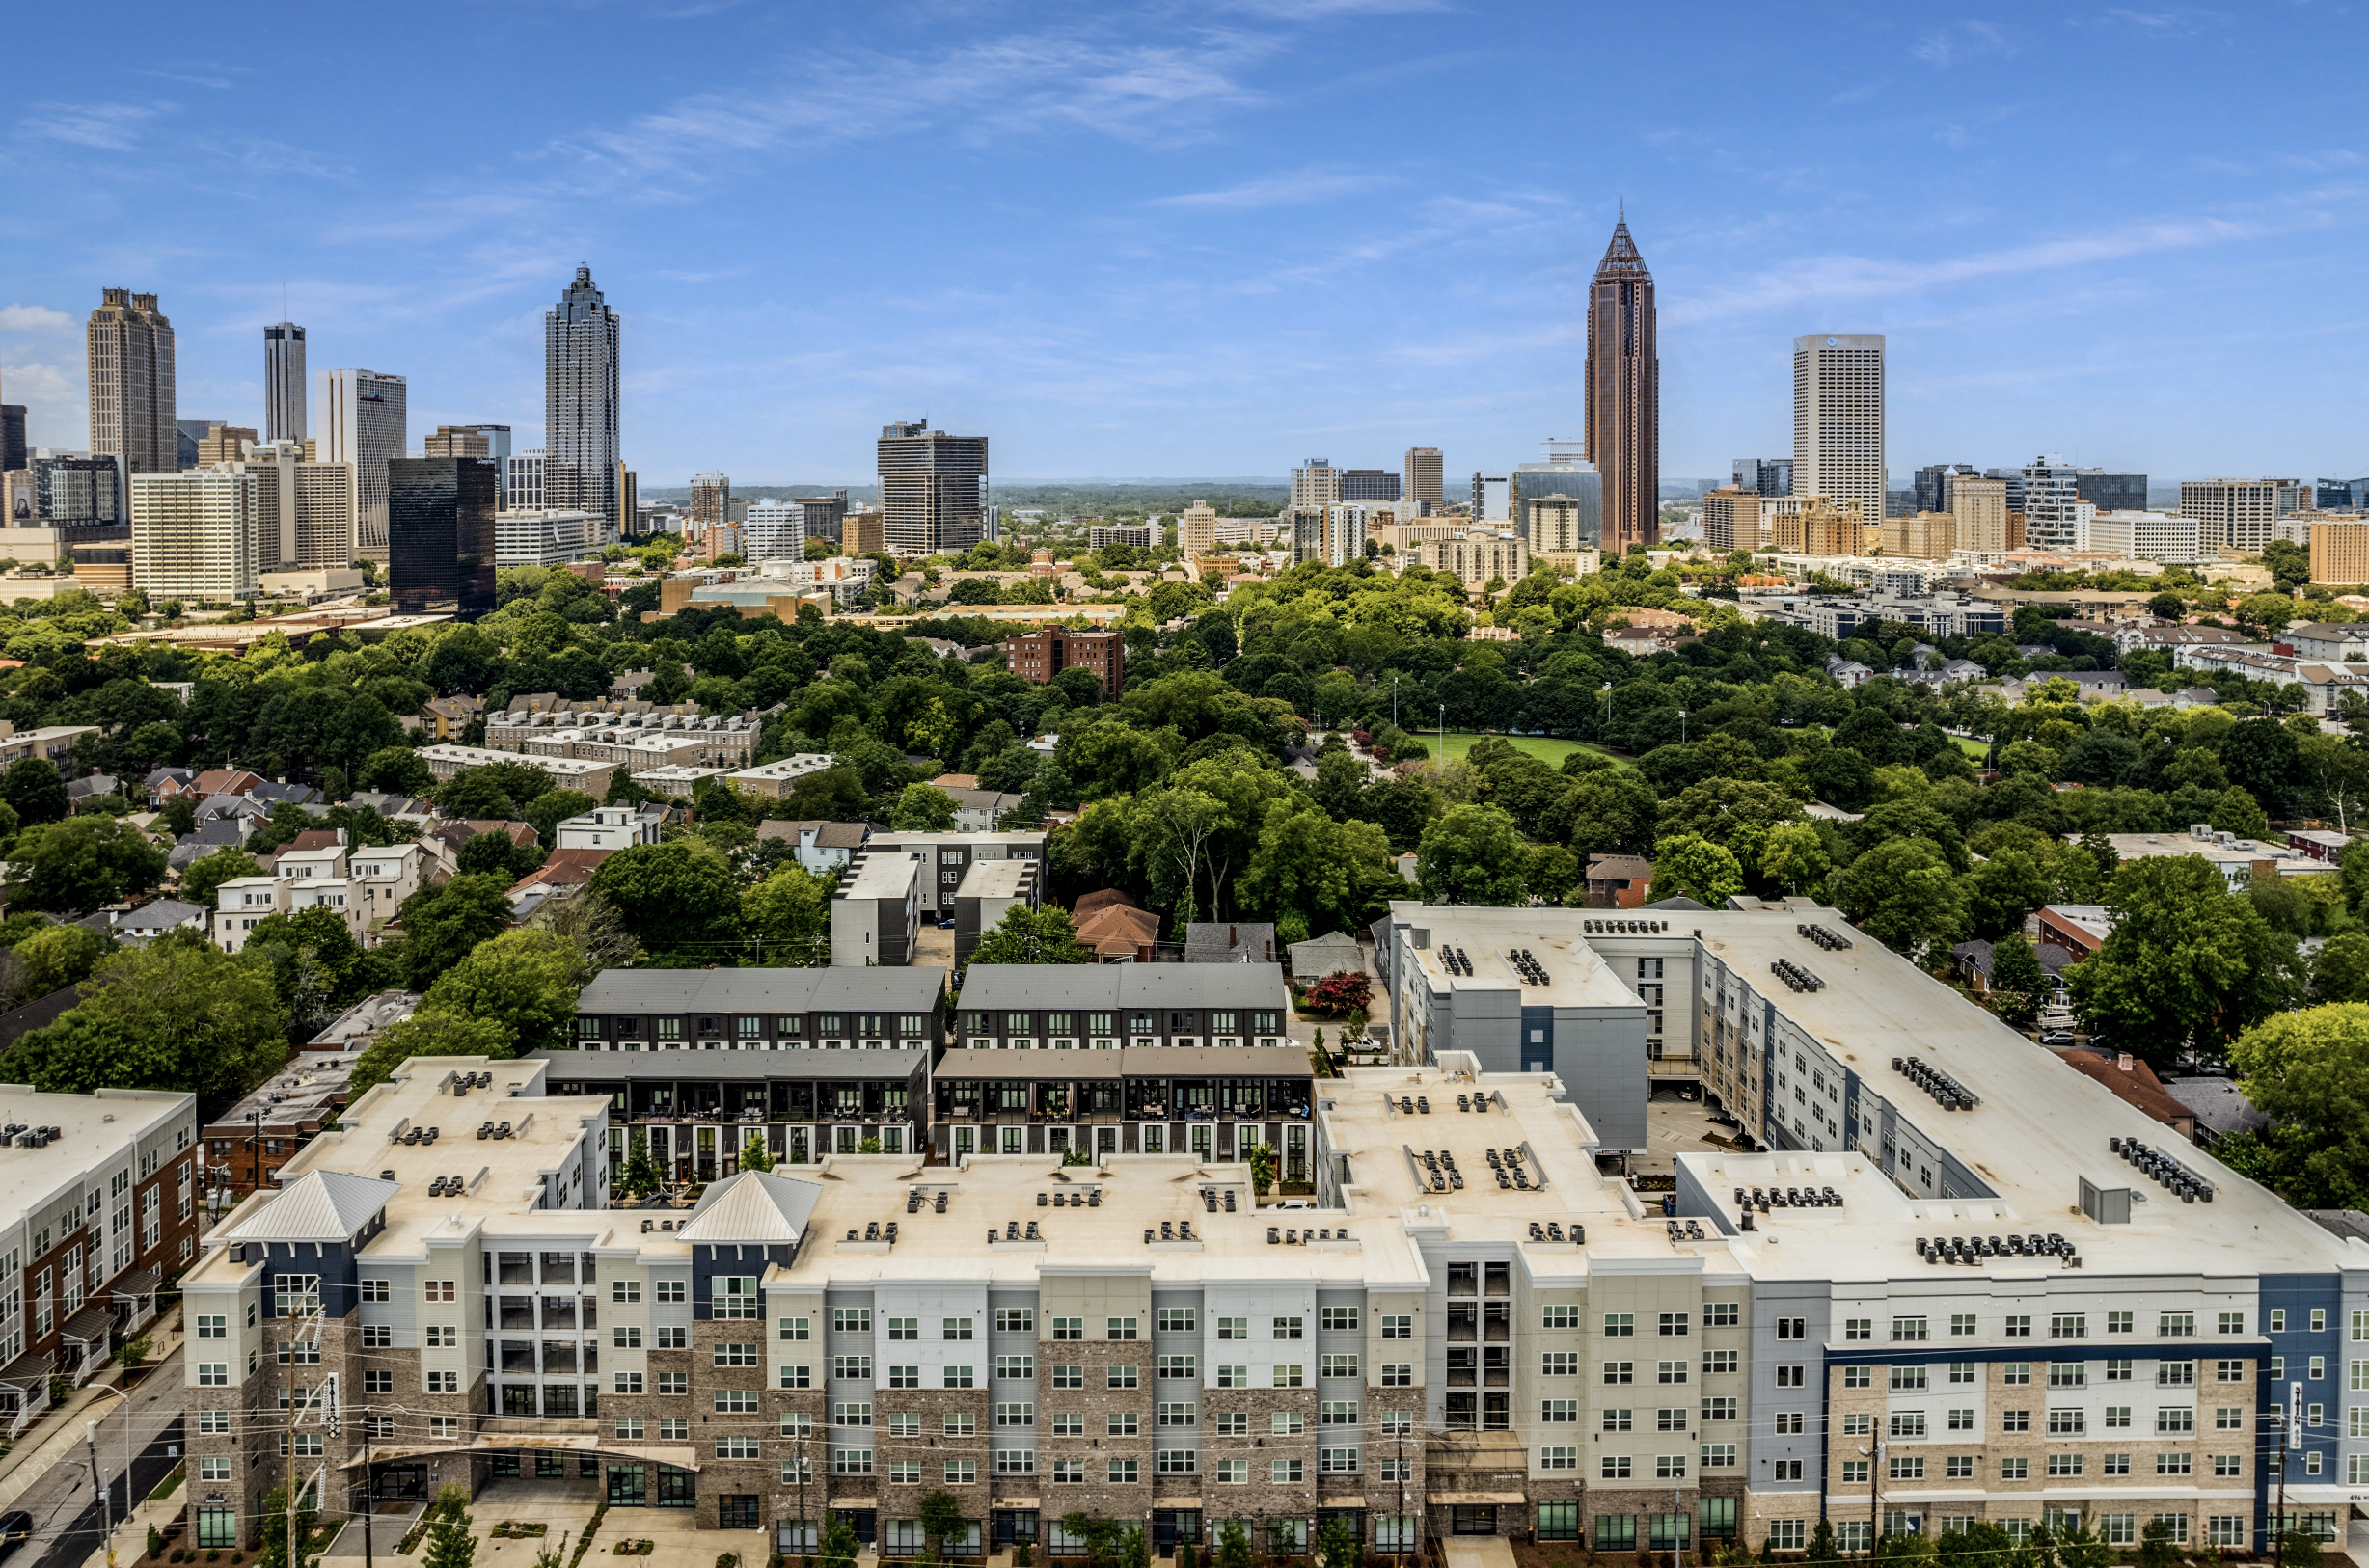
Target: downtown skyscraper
1838, 420
1624, 395
284, 382
366, 422
579, 404
132, 395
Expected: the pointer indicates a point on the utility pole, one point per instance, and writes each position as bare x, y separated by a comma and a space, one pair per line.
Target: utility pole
2286, 1438
106, 1505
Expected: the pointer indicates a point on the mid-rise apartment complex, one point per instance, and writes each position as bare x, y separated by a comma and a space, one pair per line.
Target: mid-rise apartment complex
1037, 657
1732, 519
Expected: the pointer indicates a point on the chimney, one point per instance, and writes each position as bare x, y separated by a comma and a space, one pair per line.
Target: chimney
2123, 1061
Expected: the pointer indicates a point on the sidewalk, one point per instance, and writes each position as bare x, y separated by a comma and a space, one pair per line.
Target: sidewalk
57, 1435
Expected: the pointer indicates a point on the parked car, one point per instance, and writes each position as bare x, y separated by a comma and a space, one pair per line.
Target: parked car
16, 1528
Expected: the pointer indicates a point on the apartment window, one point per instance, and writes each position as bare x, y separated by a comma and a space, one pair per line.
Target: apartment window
1559, 1317
1401, 1325
1069, 1328
1120, 1328
1016, 1320
1908, 1328
1125, 1377
1333, 1319
2175, 1325
1670, 1325
2231, 1323
2068, 1326
1961, 1324
1619, 1325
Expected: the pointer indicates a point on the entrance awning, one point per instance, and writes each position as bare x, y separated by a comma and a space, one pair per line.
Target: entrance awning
681, 1458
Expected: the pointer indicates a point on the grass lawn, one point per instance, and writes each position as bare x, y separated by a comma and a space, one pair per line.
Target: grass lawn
1544, 747
1973, 748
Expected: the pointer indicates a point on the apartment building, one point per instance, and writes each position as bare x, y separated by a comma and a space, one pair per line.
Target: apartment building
581, 773
2113, 1343
362, 887
1148, 1101
103, 1210
947, 858
695, 1115
1037, 657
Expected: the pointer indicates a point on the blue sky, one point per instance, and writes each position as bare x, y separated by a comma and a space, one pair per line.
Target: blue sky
1220, 236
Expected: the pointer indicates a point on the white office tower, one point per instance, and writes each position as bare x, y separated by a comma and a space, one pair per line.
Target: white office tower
2051, 495
283, 383
579, 404
193, 534
522, 485
1838, 419
775, 531
364, 421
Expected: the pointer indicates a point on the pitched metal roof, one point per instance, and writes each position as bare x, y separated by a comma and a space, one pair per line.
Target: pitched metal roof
740, 1066
1620, 257
753, 1205
322, 1206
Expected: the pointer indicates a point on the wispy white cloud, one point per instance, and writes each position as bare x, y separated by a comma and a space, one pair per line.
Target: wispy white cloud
1859, 278
1025, 84
33, 318
1967, 41
2168, 22
1276, 191
111, 127
199, 73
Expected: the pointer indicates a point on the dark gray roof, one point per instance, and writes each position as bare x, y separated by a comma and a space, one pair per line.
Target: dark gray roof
1018, 985
749, 1067
1681, 903
2221, 1106
1230, 941
2340, 1222
885, 988
1130, 1061
161, 915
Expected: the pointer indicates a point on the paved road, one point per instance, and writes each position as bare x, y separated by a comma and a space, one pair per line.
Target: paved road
66, 1515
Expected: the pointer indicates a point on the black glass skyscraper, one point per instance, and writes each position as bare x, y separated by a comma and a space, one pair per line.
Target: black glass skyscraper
440, 536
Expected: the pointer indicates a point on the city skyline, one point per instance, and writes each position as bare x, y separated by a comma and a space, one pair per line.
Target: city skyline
2076, 289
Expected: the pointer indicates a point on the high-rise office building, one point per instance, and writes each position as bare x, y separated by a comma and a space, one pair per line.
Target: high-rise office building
82, 497
1426, 475
1316, 484
1981, 506
456, 440
441, 537
2112, 492
1369, 484
931, 489
1196, 530
523, 489
1624, 395
2013, 480
1492, 497
1932, 491
15, 454
224, 443
284, 382
776, 530
366, 421
193, 535
1765, 475
711, 499
580, 402
629, 504
186, 436
2328, 495
2238, 513
823, 515
2050, 494
1563, 474
1732, 519
132, 389
1838, 419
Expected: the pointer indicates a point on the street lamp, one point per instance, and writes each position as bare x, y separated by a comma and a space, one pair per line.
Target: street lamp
1875, 1486
1607, 707
1681, 726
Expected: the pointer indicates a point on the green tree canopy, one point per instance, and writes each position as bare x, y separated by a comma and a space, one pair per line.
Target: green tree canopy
78, 865
1904, 894
1473, 855
681, 899
1025, 935
33, 786
442, 925
923, 808
787, 916
2309, 1073
1692, 865
2186, 957
178, 1013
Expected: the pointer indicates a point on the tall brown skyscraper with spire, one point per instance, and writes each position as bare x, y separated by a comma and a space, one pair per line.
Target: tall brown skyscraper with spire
1624, 395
